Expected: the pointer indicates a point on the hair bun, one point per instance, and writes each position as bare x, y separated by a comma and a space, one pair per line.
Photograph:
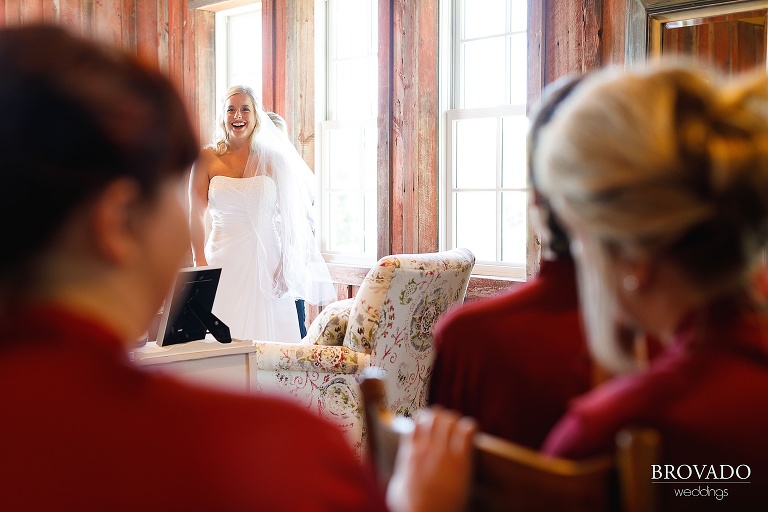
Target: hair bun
723, 134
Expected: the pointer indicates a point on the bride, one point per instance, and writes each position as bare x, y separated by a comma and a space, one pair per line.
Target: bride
253, 183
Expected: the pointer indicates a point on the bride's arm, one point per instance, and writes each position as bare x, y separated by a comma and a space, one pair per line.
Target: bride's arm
198, 204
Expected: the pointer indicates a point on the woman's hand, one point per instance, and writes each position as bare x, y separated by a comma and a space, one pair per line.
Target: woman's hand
434, 464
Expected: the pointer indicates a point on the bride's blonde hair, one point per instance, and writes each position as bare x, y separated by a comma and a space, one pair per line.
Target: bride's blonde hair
220, 143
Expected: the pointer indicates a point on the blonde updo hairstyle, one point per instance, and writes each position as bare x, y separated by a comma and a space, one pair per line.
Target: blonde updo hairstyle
220, 142
665, 162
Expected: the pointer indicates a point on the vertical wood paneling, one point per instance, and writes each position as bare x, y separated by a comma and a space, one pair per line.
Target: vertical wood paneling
287, 47
614, 32
268, 54
107, 24
280, 56
206, 71
721, 44
300, 66
31, 11
189, 83
175, 44
385, 184
415, 125
425, 183
274, 53
536, 29
146, 32
71, 15
704, 42
760, 43
592, 40
536, 81
51, 11
398, 111
13, 13
128, 22
565, 33
87, 17
163, 55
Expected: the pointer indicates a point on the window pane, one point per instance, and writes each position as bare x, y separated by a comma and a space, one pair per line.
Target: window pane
513, 227
519, 63
345, 157
351, 28
345, 227
519, 15
484, 18
475, 223
484, 73
476, 153
244, 50
352, 89
514, 172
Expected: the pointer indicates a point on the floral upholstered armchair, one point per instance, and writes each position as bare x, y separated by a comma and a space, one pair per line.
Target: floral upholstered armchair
388, 324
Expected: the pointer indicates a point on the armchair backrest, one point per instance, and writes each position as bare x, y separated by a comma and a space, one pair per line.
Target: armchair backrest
394, 313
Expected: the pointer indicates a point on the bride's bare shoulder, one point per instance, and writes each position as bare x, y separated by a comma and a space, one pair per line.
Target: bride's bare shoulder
209, 163
207, 155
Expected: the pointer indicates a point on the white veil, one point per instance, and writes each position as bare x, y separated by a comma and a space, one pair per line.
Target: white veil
302, 271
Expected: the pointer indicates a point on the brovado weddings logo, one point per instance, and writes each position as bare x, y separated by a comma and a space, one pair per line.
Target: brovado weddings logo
695, 479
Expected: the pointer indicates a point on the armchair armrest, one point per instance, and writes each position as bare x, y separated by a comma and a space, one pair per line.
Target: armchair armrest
309, 358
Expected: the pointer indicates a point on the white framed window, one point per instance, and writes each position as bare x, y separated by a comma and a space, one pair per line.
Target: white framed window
484, 75
238, 48
348, 159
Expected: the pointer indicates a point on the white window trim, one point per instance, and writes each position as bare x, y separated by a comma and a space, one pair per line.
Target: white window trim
448, 95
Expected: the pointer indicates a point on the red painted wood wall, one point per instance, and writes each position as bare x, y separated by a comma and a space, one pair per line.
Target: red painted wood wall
165, 33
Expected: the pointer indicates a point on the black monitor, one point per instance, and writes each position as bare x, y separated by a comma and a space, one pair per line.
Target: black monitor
187, 312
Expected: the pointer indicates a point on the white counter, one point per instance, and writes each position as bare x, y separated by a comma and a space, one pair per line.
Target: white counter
208, 362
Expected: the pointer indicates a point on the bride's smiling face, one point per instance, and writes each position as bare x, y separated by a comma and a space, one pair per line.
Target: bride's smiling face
240, 116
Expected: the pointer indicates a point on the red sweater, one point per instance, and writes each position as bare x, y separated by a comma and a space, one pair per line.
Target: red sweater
707, 395
514, 362
82, 428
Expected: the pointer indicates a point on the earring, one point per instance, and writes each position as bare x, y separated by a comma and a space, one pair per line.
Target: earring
631, 282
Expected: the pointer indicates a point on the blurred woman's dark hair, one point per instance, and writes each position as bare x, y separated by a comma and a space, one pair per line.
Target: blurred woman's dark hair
552, 96
75, 117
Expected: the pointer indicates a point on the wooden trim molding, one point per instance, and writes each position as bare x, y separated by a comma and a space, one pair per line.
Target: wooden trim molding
385, 184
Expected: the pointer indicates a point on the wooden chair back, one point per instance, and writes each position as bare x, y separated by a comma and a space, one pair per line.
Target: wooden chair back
508, 476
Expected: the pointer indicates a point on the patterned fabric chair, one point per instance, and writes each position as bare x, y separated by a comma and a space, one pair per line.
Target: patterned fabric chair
388, 324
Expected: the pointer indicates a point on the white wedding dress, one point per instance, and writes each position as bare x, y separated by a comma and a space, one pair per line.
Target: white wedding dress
244, 242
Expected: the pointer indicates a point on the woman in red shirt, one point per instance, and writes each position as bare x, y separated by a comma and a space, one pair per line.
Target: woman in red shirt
661, 178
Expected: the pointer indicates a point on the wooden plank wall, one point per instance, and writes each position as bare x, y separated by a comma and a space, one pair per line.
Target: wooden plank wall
165, 33
299, 58
414, 126
737, 46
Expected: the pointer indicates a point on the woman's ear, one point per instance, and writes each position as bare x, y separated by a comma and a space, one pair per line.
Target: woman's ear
114, 218
634, 274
